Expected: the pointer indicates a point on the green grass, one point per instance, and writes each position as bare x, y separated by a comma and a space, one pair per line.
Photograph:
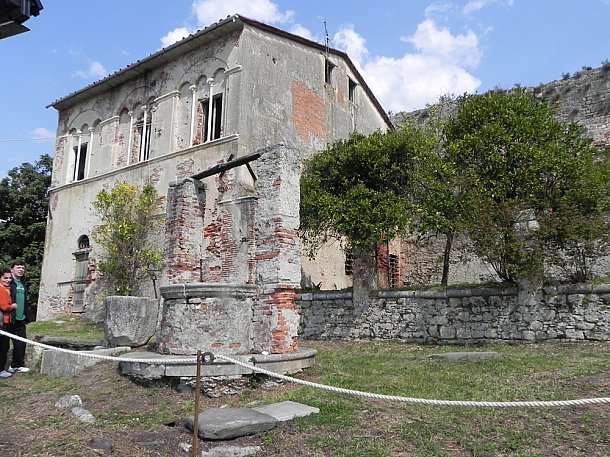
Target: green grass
530, 372
75, 327
349, 425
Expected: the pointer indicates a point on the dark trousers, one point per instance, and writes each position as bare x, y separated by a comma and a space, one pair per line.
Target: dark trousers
4, 343
18, 328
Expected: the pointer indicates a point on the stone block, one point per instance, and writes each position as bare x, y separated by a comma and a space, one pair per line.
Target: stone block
229, 423
130, 321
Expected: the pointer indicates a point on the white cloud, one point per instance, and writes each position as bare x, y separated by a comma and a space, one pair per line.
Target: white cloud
415, 80
42, 133
350, 41
95, 70
210, 11
408, 82
476, 5
298, 29
174, 36
434, 41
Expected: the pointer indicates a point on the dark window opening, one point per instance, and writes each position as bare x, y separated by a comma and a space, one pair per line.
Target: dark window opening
83, 242
80, 160
351, 90
328, 71
145, 135
216, 120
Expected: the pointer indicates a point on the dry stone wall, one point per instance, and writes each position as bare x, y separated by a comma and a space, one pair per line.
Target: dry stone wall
462, 316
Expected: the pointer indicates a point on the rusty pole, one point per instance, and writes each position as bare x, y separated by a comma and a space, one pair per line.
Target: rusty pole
196, 416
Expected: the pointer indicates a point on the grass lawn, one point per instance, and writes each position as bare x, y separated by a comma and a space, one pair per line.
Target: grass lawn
132, 418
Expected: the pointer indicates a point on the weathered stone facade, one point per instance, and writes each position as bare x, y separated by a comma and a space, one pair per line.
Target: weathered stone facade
456, 316
232, 90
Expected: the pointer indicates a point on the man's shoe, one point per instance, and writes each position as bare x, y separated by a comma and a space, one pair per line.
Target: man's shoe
5, 374
18, 369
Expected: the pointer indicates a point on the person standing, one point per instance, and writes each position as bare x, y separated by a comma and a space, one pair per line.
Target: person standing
21, 318
8, 308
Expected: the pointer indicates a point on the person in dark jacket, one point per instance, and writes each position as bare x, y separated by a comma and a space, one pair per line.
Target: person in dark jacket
19, 316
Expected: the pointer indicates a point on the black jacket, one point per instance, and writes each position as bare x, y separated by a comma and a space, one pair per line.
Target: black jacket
13, 288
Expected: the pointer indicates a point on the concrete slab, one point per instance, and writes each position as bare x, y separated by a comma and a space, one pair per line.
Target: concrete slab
280, 363
64, 364
287, 410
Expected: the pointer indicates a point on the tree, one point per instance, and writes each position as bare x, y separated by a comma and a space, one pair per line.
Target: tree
23, 211
128, 223
355, 190
517, 156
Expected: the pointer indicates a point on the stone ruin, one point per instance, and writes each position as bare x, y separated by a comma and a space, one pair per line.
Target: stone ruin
233, 279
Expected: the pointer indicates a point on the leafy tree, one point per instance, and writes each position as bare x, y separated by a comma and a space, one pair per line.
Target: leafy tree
357, 189
128, 224
23, 211
517, 156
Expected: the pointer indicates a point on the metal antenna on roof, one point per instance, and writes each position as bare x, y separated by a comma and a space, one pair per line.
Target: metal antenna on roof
326, 38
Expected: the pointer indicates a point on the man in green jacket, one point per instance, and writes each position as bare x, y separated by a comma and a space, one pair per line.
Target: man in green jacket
19, 317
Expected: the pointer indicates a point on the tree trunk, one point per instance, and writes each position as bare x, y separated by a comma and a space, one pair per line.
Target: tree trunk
446, 257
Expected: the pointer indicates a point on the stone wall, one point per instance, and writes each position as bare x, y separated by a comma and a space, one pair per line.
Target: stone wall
584, 98
467, 316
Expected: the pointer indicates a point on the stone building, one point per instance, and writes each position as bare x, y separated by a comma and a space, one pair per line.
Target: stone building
220, 123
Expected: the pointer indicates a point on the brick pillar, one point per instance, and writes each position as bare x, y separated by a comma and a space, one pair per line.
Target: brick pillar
278, 259
184, 231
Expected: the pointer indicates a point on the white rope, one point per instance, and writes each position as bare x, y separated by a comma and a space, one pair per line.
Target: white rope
358, 393
163, 361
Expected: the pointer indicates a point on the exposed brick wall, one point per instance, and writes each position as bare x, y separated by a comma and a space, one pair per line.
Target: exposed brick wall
308, 112
275, 317
183, 230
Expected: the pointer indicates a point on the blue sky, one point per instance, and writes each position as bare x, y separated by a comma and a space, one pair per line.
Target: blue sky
409, 51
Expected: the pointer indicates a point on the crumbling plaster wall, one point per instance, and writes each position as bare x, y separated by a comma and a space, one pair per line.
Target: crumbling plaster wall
270, 84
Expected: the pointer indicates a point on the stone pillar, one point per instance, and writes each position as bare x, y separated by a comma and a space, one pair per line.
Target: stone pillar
184, 231
365, 277
278, 250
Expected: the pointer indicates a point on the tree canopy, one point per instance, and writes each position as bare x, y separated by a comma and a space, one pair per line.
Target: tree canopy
357, 189
477, 171
516, 156
23, 193
128, 222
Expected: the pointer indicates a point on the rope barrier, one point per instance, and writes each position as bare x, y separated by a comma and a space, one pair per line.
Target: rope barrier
358, 393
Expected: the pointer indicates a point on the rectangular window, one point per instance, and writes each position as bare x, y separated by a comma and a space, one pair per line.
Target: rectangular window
351, 90
212, 127
80, 160
145, 135
328, 71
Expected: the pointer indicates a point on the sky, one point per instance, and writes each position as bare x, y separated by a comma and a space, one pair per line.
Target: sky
410, 52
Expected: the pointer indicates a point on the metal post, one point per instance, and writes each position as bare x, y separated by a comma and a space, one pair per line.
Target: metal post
196, 417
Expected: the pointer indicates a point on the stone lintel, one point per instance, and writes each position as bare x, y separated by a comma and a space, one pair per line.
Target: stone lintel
207, 290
